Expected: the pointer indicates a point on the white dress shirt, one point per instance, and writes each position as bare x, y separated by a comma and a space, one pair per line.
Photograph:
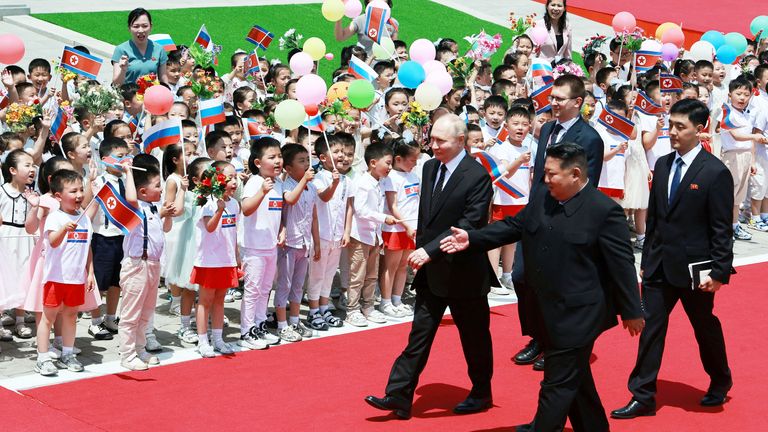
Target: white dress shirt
687, 161
451, 165
566, 126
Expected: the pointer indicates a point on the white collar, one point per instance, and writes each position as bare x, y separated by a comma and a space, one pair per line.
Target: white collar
453, 163
690, 156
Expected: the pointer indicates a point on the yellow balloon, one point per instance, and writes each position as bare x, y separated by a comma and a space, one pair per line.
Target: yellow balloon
333, 10
385, 50
663, 28
428, 95
315, 47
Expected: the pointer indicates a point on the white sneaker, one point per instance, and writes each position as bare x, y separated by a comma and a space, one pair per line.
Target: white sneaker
406, 309
134, 364
110, 325
7, 319
375, 316
356, 319
222, 347
46, 368
70, 363
205, 350
174, 308
187, 335
391, 311
148, 358
499, 291
288, 333
260, 332
251, 343
507, 282
152, 344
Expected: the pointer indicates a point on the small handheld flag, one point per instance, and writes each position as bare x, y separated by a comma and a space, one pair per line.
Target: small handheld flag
497, 172
646, 105
251, 65
4, 99
133, 124
260, 37
203, 38
361, 70
162, 134
615, 123
119, 212
59, 125
164, 40
251, 129
81, 63
376, 22
314, 123
211, 111
727, 122
116, 163
670, 83
646, 60
503, 135
543, 71
541, 99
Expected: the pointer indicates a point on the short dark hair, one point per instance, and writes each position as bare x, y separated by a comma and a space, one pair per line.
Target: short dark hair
129, 90
383, 65
259, 146
12, 161
703, 64
228, 121
501, 70
110, 144
339, 138
694, 109
471, 127
497, 102
519, 111
62, 177
377, 151
111, 127
601, 77
740, 82
290, 151
39, 63
574, 84
403, 148
49, 167
570, 154
142, 178
213, 138
136, 14
617, 105
499, 86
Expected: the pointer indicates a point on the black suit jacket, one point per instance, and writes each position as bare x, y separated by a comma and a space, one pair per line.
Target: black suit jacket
695, 226
580, 133
578, 261
463, 203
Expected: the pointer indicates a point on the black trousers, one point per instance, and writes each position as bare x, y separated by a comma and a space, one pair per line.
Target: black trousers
526, 300
472, 318
659, 298
568, 391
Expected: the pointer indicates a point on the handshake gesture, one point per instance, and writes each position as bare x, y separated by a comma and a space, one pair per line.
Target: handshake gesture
456, 242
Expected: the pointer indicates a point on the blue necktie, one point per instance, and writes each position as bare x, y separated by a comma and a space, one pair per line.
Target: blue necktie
676, 178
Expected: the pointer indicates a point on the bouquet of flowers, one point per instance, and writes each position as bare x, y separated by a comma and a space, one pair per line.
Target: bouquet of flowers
67, 108
96, 98
66, 74
460, 69
569, 68
145, 82
593, 44
19, 117
520, 26
483, 45
336, 108
213, 183
203, 84
414, 116
633, 41
290, 40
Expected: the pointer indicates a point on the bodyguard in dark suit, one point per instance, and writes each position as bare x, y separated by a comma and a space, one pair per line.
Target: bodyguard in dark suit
567, 96
689, 221
580, 267
456, 191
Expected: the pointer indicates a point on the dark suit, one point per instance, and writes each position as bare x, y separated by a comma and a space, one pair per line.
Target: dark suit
459, 281
580, 133
695, 226
580, 268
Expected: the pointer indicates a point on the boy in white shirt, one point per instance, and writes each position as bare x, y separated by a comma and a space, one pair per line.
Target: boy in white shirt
367, 207
140, 272
333, 190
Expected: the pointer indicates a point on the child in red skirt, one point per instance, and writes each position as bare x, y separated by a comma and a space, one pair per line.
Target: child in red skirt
217, 260
401, 189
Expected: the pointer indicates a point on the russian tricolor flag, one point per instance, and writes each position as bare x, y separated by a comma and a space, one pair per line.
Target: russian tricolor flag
646, 60
81, 63
133, 124
727, 122
376, 22
541, 99
644, 104
211, 111
260, 37
203, 38
251, 65
59, 125
314, 123
164, 40
670, 83
496, 172
543, 71
117, 209
162, 134
615, 123
361, 70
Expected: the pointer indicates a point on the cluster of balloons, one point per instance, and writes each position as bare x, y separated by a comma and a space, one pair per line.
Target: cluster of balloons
11, 49
726, 47
334, 10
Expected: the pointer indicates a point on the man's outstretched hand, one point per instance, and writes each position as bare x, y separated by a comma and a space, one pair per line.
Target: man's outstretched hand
456, 242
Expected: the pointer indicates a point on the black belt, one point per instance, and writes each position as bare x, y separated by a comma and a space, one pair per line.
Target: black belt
13, 224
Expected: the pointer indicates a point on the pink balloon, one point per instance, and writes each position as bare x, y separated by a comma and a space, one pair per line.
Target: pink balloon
301, 63
158, 100
422, 51
539, 34
669, 52
673, 35
311, 90
433, 66
329, 56
11, 49
624, 21
352, 8
442, 80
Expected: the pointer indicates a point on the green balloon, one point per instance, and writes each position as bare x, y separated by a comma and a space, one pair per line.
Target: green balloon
760, 23
290, 114
361, 93
737, 41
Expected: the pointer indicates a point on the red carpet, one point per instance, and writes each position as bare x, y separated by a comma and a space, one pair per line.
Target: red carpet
320, 384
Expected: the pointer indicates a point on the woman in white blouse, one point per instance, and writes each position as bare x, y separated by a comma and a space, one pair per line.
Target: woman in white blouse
560, 34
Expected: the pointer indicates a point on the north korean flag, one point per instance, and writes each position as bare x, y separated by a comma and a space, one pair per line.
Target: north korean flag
412, 189
251, 65
275, 204
260, 37
376, 22
645, 60
670, 83
4, 99
646, 105
503, 135
228, 221
117, 209
615, 123
79, 235
541, 99
81, 63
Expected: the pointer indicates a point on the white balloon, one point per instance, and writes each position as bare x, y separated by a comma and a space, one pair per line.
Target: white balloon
651, 45
701, 50
428, 95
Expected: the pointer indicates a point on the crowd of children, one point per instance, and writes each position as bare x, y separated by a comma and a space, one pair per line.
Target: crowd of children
299, 206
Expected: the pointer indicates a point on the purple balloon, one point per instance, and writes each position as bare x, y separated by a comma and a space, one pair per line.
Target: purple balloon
669, 52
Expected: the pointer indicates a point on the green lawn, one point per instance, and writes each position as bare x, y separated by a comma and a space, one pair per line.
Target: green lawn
229, 25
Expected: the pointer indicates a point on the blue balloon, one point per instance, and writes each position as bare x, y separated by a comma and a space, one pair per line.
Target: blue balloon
411, 74
726, 54
714, 37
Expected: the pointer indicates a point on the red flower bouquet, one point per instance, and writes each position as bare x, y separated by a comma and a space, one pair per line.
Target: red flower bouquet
213, 183
146, 81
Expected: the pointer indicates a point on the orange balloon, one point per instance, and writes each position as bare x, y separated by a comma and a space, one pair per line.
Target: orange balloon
664, 27
339, 91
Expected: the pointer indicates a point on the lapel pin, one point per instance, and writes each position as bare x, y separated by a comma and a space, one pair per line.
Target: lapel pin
694, 186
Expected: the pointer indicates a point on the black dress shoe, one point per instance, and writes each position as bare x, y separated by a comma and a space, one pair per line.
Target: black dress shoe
528, 354
388, 403
538, 365
712, 399
633, 409
472, 405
